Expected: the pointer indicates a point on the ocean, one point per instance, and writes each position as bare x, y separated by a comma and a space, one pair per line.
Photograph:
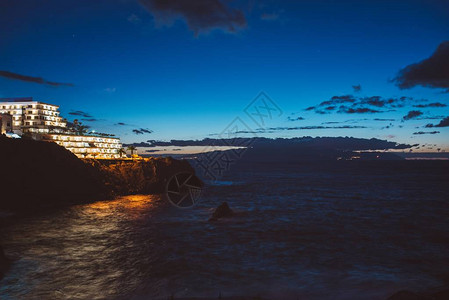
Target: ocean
316, 230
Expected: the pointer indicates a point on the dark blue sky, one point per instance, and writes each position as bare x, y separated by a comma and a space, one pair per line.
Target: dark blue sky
187, 71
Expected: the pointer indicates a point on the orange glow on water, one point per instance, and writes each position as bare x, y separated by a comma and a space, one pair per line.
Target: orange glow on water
129, 205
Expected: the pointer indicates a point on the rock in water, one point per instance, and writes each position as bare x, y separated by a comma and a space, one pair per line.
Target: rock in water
222, 211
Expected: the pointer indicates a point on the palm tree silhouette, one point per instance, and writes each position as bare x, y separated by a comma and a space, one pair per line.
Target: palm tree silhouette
122, 152
132, 149
79, 128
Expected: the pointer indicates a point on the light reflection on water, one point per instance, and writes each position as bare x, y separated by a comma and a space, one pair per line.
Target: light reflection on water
92, 251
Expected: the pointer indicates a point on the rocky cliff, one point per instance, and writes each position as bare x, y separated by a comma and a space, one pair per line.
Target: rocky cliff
37, 174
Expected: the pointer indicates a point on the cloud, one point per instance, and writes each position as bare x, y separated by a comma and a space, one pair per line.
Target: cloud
377, 119
80, 113
338, 100
121, 124
432, 72
361, 105
443, 123
332, 122
314, 127
357, 88
199, 15
360, 110
378, 101
412, 115
142, 131
269, 16
90, 120
426, 132
436, 104
39, 80
295, 119
141, 144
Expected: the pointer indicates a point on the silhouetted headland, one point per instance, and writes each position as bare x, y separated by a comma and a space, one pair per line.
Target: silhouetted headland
42, 174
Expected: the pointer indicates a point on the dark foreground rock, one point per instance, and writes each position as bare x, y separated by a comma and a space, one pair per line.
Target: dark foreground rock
4, 262
222, 211
36, 175
407, 295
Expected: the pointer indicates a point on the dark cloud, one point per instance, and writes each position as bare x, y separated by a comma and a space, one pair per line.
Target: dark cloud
142, 131
425, 132
360, 110
80, 113
314, 127
146, 130
378, 101
361, 105
357, 88
295, 119
39, 80
90, 120
121, 124
199, 15
436, 104
338, 100
443, 123
377, 119
432, 72
412, 115
141, 144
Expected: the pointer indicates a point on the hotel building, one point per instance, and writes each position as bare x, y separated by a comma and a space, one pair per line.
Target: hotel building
41, 121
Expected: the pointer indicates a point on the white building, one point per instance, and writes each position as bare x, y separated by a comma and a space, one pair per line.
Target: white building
41, 121
87, 146
31, 116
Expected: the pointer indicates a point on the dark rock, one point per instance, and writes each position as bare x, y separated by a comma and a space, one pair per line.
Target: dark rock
222, 211
407, 295
442, 295
4, 262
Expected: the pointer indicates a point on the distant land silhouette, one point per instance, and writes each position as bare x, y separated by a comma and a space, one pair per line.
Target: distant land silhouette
296, 149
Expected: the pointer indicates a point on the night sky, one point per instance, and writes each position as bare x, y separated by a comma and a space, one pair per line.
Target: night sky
161, 70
